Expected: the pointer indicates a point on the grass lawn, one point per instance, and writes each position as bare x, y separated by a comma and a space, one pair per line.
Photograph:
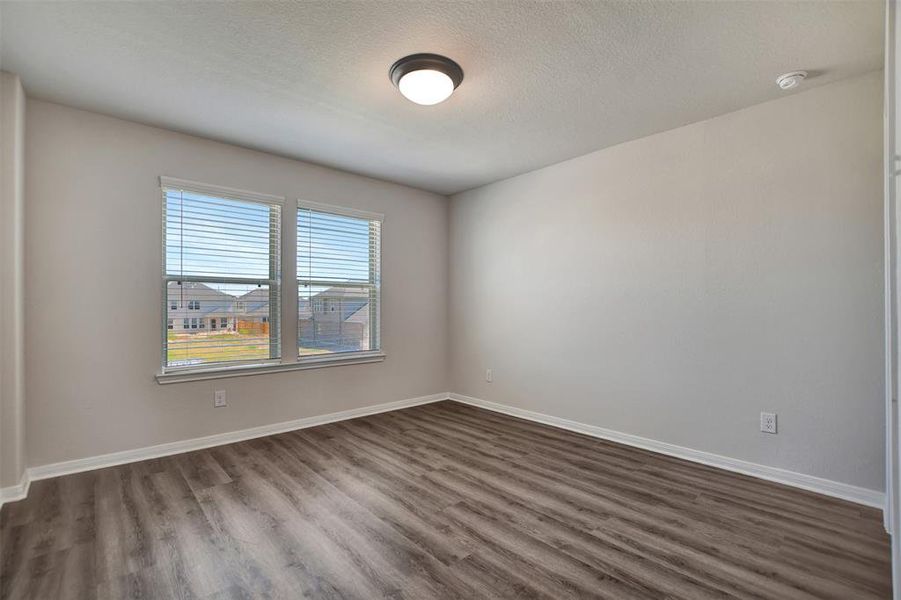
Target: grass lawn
200, 348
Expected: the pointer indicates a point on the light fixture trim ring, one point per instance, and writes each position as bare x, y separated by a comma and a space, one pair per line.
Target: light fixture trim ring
423, 61
791, 80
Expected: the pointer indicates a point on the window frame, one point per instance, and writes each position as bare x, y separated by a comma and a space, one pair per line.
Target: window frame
285, 319
169, 184
374, 282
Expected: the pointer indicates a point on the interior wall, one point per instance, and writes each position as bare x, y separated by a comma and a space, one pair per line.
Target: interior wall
12, 222
676, 286
93, 288
892, 137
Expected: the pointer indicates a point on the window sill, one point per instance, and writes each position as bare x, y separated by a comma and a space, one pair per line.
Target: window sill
183, 375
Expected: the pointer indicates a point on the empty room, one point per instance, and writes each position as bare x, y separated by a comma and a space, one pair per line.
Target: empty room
415, 299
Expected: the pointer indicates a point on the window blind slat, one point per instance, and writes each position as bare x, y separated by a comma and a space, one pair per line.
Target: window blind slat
337, 251
234, 319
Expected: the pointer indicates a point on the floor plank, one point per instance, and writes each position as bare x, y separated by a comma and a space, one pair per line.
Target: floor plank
437, 501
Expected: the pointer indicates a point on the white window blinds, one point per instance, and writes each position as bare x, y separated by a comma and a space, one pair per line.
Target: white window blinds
338, 282
221, 273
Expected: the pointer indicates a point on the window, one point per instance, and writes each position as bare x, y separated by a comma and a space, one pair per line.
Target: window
222, 255
338, 281
222, 251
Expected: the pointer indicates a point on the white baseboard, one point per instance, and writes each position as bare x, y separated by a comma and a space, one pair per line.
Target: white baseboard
15, 492
835, 489
128, 456
827, 487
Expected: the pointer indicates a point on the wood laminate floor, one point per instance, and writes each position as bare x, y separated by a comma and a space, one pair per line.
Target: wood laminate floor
437, 501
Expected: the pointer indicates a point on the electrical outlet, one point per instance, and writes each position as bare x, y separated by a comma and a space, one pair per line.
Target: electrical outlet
768, 422
219, 399
489, 376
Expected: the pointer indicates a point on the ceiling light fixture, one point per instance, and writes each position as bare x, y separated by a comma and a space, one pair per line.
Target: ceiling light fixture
791, 80
426, 79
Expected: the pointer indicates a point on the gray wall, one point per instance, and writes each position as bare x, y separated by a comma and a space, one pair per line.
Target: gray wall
12, 264
93, 289
676, 286
672, 287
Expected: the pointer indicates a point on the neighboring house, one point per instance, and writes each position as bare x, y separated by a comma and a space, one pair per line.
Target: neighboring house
196, 307
254, 305
335, 319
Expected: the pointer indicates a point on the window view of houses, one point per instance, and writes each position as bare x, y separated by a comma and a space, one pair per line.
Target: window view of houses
333, 319
222, 271
208, 323
216, 322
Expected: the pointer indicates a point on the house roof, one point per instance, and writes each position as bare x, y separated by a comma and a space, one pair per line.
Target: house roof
360, 316
215, 303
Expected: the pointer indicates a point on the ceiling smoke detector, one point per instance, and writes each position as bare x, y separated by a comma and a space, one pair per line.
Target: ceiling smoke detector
791, 80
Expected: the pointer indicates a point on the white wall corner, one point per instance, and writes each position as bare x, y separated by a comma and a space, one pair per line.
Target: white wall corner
12, 280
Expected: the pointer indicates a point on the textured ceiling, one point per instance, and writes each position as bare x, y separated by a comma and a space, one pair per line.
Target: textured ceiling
545, 81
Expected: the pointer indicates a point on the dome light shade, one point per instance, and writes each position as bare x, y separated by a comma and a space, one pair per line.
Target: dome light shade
426, 87
426, 79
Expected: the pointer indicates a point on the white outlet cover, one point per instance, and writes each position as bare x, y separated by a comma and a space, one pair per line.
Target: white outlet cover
768, 422
219, 399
